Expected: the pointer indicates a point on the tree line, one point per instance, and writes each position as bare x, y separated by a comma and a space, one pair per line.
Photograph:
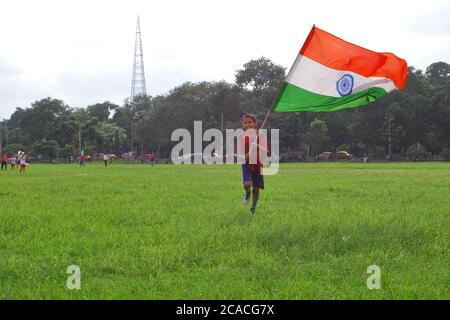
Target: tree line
413, 122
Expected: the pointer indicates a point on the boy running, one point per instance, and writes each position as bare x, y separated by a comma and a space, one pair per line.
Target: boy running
251, 169
82, 159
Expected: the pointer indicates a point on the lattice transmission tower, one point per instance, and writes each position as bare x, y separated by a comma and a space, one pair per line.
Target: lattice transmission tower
138, 81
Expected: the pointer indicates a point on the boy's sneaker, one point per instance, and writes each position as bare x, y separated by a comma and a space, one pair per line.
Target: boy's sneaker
246, 198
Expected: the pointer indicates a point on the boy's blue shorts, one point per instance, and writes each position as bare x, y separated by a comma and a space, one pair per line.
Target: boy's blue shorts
255, 177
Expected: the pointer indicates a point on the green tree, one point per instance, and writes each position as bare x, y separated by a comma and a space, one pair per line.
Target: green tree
126, 115
260, 74
260, 81
41, 121
89, 131
316, 135
438, 73
101, 111
109, 135
47, 148
67, 151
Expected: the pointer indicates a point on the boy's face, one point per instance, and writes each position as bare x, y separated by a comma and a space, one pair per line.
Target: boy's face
248, 123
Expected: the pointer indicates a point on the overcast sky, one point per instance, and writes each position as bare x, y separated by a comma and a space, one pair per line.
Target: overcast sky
82, 51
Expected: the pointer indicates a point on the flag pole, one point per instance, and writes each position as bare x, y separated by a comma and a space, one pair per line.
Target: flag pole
275, 100
265, 119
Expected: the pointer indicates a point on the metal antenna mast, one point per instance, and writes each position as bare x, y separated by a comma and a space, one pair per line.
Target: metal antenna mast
138, 82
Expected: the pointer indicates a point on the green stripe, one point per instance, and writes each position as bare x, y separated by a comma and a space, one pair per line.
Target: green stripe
295, 99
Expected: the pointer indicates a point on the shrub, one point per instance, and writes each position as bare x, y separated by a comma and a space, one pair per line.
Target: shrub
445, 154
416, 152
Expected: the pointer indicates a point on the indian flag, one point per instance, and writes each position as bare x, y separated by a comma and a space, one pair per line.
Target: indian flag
331, 74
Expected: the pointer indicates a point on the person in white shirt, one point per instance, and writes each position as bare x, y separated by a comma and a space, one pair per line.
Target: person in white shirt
105, 159
23, 162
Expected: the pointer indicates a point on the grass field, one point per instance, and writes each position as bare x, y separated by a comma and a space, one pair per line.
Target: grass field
181, 232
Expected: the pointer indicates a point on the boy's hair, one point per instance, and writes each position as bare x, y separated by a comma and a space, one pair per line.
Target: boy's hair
250, 116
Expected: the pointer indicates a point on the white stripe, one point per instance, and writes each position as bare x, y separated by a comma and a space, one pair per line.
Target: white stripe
315, 77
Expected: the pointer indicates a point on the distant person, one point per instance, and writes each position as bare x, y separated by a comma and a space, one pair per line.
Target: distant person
5, 160
82, 160
105, 159
151, 158
23, 163
12, 161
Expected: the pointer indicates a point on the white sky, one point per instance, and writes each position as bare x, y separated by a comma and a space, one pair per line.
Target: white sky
82, 51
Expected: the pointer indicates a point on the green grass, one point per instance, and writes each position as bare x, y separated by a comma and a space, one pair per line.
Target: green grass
181, 232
